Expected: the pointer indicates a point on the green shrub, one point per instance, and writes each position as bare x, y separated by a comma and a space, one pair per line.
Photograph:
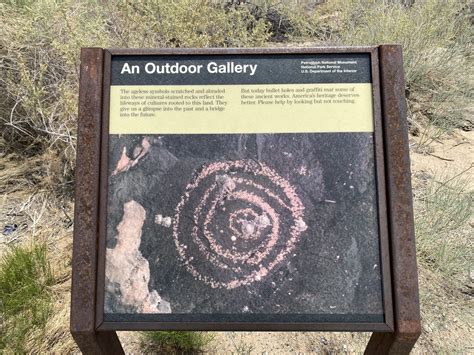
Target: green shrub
25, 298
177, 341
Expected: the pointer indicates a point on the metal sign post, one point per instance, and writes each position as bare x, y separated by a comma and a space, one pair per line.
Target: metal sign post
189, 183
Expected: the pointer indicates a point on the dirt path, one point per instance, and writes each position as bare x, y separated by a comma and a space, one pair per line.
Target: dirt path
452, 155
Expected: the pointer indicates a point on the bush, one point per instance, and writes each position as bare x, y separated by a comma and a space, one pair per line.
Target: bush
25, 299
40, 44
177, 341
183, 23
437, 45
287, 20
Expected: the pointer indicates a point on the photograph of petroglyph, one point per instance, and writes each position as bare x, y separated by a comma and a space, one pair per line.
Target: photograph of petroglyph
243, 224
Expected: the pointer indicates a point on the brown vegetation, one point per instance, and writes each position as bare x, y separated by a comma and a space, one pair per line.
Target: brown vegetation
39, 53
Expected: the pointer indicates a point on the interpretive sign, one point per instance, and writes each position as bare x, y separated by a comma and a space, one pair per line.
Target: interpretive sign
242, 190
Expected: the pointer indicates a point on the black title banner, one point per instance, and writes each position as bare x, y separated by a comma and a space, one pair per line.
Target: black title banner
243, 69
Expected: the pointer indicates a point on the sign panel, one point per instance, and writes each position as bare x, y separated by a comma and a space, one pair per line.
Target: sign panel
243, 189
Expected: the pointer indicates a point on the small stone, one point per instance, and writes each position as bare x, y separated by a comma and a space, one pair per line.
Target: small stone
158, 219
166, 222
10, 228
163, 221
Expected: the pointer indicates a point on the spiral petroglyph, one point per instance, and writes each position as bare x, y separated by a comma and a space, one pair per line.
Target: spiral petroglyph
236, 221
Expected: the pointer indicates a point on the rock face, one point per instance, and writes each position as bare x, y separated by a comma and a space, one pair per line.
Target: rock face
244, 227
127, 271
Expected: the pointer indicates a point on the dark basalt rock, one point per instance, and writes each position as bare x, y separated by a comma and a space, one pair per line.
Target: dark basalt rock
333, 270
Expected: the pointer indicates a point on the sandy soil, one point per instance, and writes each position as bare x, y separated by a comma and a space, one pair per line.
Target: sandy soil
447, 157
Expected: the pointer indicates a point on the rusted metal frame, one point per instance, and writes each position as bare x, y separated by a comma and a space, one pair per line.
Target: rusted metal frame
381, 192
386, 326
103, 342
104, 167
402, 232
247, 326
84, 260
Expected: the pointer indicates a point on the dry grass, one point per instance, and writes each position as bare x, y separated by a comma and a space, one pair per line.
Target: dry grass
56, 338
39, 51
444, 215
25, 278
444, 209
40, 43
446, 312
175, 341
45, 220
436, 37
